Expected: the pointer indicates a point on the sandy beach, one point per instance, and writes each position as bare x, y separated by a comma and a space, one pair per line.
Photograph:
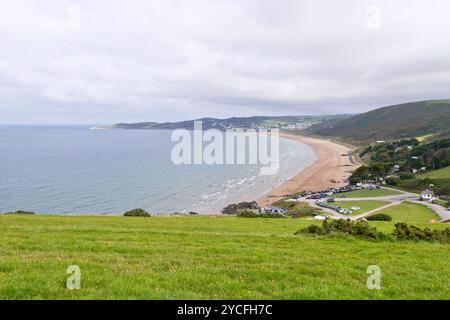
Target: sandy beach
331, 169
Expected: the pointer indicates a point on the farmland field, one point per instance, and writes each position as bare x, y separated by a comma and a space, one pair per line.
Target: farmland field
208, 258
413, 213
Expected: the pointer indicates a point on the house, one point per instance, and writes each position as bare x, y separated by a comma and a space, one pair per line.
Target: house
273, 209
426, 195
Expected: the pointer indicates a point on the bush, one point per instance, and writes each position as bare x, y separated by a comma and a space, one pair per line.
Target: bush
392, 181
312, 229
21, 212
379, 217
252, 214
137, 213
248, 214
362, 229
359, 228
406, 176
405, 232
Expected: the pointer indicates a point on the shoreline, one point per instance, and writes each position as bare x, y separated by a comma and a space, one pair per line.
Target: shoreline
332, 162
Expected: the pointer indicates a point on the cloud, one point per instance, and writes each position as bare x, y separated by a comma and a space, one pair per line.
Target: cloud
110, 61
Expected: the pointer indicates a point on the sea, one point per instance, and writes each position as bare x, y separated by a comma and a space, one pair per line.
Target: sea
78, 170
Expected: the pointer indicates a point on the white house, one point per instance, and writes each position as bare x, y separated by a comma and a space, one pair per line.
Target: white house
427, 195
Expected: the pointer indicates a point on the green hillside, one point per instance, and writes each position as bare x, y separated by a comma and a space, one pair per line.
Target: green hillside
414, 119
209, 258
443, 173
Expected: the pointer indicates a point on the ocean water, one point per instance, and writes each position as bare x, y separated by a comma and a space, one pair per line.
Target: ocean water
74, 170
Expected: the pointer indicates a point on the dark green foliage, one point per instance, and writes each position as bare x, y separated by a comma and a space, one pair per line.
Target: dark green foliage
358, 228
360, 174
21, 212
392, 181
399, 158
404, 121
365, 173
379, 217
441, 186
362, 229
405, 232
137, 213
406, 176
248, 214
252, 214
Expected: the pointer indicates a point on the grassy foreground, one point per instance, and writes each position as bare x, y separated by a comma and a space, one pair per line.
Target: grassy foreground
208, 258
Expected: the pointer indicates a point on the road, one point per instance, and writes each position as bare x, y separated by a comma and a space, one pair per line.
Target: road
394, 200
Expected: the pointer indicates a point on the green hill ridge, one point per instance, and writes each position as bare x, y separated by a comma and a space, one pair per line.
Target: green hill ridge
393, 122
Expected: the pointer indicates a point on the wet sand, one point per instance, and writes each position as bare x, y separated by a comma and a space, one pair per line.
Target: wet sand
332, 168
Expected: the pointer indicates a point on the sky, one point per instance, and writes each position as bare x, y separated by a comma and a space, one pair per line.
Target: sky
109, 61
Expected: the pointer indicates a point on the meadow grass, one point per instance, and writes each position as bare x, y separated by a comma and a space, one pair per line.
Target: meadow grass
443, 173
366, 193
365, 205
207, 258
411, 213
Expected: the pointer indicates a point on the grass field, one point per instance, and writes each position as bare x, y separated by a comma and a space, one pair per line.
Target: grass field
437, 174
208, 258
365, 193
439, 178
365, 205
410, 212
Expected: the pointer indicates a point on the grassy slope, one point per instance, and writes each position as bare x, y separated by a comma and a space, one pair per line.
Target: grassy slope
393, 122
201, 257
367, 193
413, 213
440, 178
437, 174
365, 206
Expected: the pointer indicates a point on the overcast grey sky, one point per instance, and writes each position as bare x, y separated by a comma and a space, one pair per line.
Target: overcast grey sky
108, 61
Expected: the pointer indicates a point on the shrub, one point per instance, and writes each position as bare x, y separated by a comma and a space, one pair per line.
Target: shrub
379, 217
252, 214
405, 232
406, 176
359, 228
248, 214
312, 229
137, 213
392, 181
21, 212
362, 229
